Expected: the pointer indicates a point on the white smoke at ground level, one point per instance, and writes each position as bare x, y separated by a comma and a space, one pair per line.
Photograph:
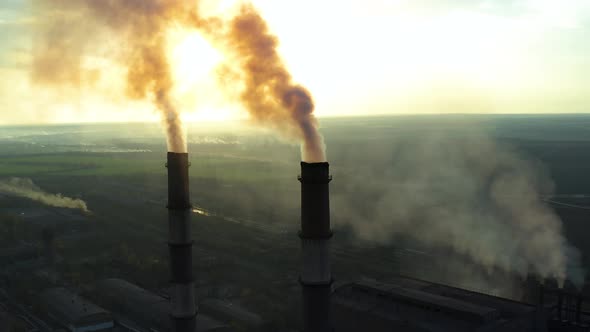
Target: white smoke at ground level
23, 187
470, 194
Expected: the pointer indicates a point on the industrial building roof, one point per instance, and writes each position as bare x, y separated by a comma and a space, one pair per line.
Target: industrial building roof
465, 310
230, 311
70, 309
460, 304
419, 305
4, 326
141, 304
507, 307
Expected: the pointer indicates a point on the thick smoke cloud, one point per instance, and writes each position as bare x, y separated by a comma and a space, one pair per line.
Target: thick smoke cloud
270, 95
136, 31
27, 189
467, 194
57, 52
132, 32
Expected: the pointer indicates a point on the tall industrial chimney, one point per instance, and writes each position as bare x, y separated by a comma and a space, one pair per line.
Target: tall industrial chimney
182, 296
315, 234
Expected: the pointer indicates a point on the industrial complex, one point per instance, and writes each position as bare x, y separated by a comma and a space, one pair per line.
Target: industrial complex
73, 312
191, 303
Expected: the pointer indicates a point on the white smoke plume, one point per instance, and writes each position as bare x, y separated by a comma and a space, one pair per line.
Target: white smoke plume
468, 194
25, 188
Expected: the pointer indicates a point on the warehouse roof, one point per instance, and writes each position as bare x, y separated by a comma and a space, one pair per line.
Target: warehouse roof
71, 309
463, 309
142, 304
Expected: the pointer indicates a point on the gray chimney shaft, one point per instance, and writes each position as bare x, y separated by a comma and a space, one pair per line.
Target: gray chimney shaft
182, 296
315, 234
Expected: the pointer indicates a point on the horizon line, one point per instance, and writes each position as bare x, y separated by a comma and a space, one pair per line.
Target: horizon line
330, 117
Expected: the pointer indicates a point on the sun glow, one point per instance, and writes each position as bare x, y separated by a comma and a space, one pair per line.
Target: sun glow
356, 57
195, 66
193, 58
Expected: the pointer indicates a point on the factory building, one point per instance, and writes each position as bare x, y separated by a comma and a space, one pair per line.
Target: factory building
231, 312
414, 305
5, 321
74, 313
568, 308
145, 308
10, 322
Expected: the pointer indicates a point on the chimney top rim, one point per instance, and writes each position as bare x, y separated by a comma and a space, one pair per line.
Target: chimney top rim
177, 153
315, 164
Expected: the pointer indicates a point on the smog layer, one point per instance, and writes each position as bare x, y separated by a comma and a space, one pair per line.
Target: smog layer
439, 181
482, 199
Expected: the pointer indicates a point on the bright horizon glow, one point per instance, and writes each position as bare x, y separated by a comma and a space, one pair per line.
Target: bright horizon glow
356, 57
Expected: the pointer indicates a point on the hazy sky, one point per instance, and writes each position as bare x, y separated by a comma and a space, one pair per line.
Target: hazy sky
356, 56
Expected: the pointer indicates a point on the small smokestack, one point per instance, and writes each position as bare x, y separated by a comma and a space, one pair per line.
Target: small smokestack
182, 297
316, 277
48, 237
